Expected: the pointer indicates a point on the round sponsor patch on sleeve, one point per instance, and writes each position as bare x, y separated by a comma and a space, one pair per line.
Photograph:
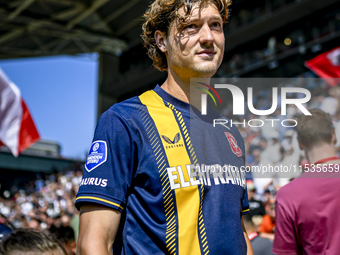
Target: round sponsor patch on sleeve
97, 155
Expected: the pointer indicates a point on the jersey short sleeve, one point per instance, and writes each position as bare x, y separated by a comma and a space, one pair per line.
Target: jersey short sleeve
109, 164
285, 235
245, 202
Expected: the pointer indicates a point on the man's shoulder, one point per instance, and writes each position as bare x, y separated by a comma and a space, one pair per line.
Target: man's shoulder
292, 191
306, 181
125, 106
121, 115
137, 103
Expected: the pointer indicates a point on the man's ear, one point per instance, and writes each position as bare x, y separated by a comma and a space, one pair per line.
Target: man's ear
300, 145
334, 138
161, 41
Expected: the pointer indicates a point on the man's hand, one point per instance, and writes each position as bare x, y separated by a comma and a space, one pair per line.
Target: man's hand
97, 229
249, 247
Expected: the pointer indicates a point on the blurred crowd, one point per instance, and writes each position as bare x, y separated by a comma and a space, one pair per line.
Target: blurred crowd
45, 204
278, 146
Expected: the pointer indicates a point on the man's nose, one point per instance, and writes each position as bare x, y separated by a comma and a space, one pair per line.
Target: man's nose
206, 35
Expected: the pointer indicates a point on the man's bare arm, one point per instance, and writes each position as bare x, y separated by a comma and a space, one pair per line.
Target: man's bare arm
249, 247
97, 229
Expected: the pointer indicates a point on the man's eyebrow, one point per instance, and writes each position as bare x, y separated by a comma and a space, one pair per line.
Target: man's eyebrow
213, 17
216, 17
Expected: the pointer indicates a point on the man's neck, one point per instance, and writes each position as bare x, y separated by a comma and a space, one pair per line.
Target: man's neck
177, 89
321, 152
180, 89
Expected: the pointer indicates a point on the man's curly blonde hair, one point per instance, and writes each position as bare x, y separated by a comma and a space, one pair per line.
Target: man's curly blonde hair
160, 15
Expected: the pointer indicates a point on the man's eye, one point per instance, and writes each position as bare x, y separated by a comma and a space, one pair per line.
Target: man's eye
216, 24
190, 26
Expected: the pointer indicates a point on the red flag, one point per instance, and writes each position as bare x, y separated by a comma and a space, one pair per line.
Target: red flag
17, 129
327, 65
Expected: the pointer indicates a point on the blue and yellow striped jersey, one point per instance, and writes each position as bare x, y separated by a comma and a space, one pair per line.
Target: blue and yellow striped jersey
168, 171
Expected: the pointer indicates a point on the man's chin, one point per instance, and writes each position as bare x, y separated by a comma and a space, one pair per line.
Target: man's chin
206, 70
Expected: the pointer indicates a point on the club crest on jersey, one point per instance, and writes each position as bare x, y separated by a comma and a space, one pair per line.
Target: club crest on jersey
97, 155
233, 144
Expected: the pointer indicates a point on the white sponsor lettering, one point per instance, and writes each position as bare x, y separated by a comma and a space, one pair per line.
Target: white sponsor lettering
94, 158
173, 177
205, 174
94, 181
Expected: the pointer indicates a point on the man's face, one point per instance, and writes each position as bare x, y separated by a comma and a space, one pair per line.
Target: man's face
196, 51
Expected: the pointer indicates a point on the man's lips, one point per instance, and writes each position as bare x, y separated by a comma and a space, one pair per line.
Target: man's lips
206, 53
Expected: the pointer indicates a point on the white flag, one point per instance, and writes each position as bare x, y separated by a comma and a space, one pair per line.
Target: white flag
17, 129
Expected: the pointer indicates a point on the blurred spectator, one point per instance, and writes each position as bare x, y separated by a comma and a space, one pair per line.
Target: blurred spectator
331, 103
307, 207
65, 236
268, 153
268, 221
261, 246
28, 241
291, 157
39, 183
253, 159
256, 207
272, 46
4, 231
